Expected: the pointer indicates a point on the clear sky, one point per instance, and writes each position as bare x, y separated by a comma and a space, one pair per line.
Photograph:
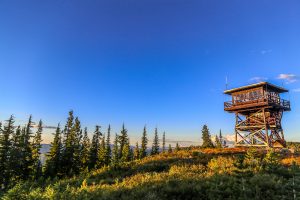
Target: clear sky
157, 62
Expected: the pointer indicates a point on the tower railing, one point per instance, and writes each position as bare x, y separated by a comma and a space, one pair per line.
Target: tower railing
266, 99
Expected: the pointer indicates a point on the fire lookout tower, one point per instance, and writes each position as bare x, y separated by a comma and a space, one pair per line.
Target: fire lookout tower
258, 111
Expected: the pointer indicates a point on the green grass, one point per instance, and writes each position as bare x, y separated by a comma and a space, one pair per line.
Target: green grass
187, 174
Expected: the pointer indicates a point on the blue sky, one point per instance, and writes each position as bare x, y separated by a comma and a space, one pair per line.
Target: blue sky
157, 62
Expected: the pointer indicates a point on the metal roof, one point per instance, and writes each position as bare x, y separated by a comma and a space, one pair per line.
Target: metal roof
269, 85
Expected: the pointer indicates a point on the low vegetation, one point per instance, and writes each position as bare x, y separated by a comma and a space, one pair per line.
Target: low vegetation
77, 168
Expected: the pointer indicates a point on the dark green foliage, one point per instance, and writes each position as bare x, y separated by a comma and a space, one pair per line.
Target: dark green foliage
164, 142
126, 153
101, 153
53, 162
271, 162
84, 153
27, 160
177, 148
136, 153
144, 143
67, 160
36, 154
123, 141
206, 138
77, 146
115, 153
15, 155
155, 145
94, 148
5, 144
108, 148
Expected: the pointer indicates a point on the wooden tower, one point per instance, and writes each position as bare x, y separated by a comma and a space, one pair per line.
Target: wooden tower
258, 111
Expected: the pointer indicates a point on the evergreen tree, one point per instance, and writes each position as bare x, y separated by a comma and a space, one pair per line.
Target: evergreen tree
177, 148
77, 146
170, 149
108, 148
101, 153
207, 143
136, 153
53, 161
27, 160
221, 138
15, 155
164, 142
68, 146
126, 154
84, 153
155, 145
36, 154
5, 145
123, 140
143, 152
94, 148
115, 153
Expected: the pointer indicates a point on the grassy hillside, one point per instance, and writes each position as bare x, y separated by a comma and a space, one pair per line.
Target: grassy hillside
186, 174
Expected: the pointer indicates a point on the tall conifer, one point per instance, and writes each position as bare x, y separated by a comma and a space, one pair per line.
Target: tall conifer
155, 145
108, 148
68, 146
115, 153
36, 154
123, 140
16, 156
53, 158
5, 145
77, 146
143, 152
27, 160
136, 153
84, 154
101, 153
206, 138
94, 148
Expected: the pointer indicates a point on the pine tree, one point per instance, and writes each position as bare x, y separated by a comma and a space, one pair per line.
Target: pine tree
36, 154
94, 148
170, 149
77, 146
15, 161
115, 153
177, 148
136, 153
143, 152
53, 161
108, 148
68, 146
123, 140
101, 153
84, 153
207, 143
27, 160
221, 138
155, 145
5, 145
164, 142
126, 154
